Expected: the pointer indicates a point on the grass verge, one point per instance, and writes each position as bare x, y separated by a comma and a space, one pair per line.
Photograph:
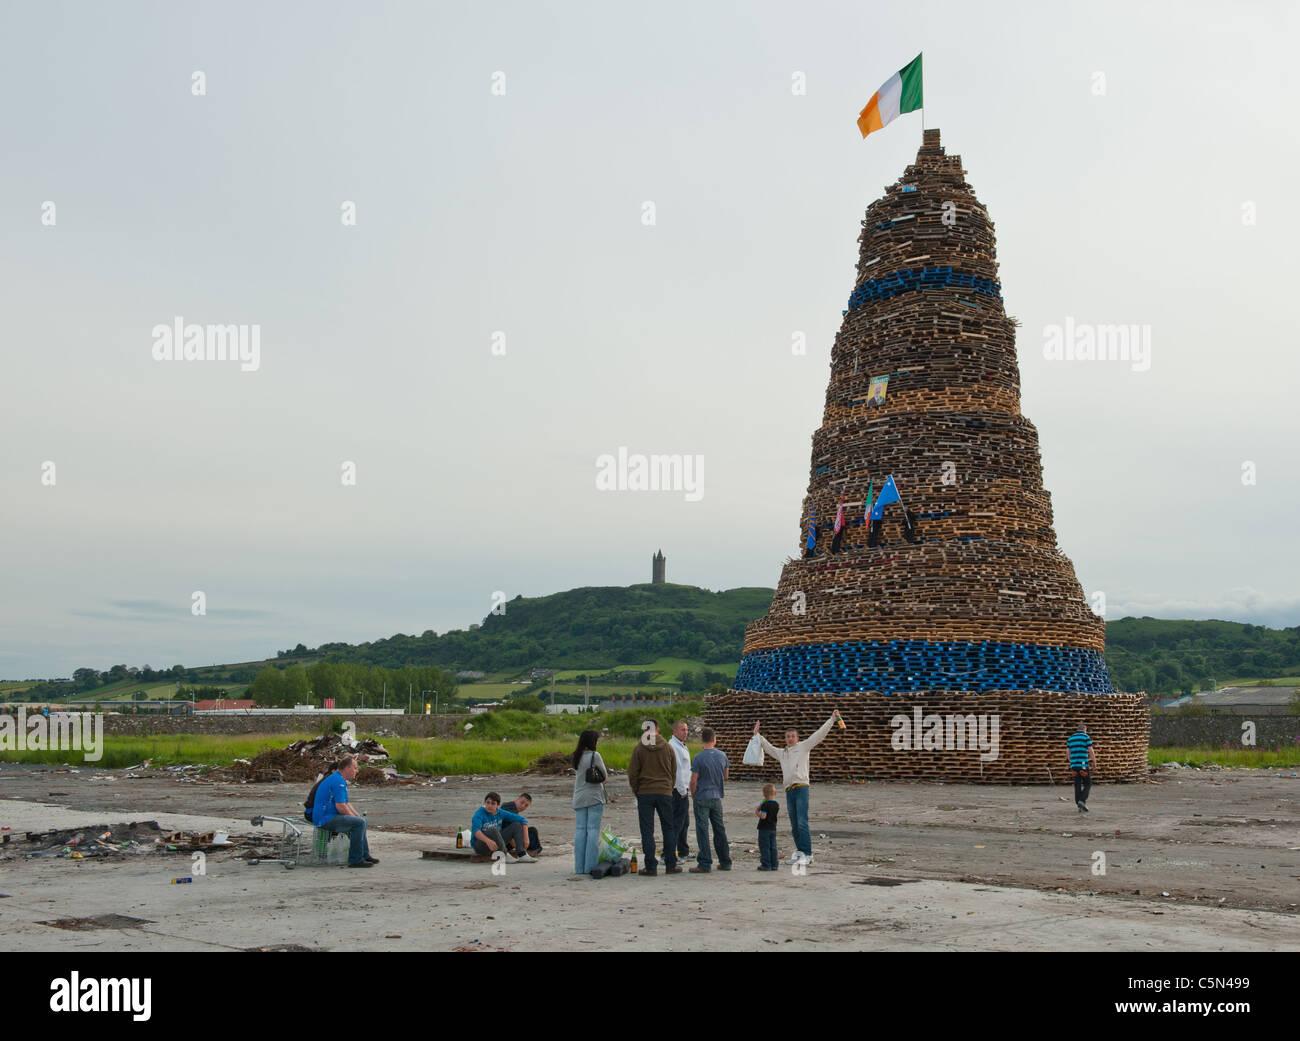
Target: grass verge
1236, 757
164, 750
414, 755
410, 755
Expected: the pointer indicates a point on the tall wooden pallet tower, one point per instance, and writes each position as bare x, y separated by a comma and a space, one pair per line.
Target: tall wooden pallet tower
957, 602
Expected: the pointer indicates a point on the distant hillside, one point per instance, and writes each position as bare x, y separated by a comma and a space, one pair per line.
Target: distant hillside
1170, 657
595, 627
598, 628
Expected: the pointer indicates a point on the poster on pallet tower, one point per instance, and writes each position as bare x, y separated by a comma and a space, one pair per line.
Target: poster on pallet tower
876, 391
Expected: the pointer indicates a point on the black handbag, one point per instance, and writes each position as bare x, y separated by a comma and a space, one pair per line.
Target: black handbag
595, 775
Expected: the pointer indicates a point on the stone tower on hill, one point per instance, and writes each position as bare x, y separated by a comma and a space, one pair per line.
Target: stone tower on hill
950, 606
658, 564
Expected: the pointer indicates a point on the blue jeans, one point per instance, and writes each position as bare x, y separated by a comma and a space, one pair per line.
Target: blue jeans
710, 811
646, 808
355, 829
586, 836
796, 804
767, 848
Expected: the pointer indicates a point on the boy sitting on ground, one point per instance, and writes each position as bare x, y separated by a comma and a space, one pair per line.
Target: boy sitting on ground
493, 827
521, 805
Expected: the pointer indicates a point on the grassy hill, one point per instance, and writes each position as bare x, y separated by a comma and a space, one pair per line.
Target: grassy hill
1169, 656
587, 629
651, 637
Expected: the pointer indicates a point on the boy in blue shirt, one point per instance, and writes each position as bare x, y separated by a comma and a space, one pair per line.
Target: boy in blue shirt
333, 812
1083, 757
493, 827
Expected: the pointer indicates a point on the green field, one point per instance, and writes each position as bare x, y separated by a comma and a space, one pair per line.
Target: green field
1236, 757
485, 752
409, 755
1281, 681
482, 692
13, 686
124, 691
665, 671
165, 750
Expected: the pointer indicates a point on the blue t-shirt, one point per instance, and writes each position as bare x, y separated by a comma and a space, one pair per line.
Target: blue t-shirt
1079, 743
483, 820
710, 764
333, 789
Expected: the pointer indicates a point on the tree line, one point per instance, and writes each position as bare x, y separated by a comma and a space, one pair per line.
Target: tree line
351, 686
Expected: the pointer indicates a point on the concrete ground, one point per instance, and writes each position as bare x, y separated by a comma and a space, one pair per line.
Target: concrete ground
898, 867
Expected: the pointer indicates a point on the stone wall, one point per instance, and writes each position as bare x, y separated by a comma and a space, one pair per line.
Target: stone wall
402, 726
1214, 731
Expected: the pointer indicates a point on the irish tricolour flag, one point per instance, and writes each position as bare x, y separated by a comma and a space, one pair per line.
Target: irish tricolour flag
900, 93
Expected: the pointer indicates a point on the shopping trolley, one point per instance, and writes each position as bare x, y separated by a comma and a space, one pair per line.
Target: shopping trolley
323, 849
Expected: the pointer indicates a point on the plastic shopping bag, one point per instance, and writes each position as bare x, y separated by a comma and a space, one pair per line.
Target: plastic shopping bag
610, 848
753, 752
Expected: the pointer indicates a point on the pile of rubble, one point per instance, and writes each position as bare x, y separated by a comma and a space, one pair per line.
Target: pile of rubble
306, 760
111, 840
556, 764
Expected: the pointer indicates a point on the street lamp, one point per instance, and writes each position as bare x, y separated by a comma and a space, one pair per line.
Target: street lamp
422, 694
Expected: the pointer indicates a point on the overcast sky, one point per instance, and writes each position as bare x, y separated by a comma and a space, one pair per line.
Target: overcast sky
499, 158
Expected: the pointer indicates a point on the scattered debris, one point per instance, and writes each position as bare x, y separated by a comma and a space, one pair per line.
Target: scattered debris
305, 760
103, 840
97, 840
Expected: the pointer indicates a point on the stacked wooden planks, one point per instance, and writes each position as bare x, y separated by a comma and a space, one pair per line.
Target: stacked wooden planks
1031, 730
973, 591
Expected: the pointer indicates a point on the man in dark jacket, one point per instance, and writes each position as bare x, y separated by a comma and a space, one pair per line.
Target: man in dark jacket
652, 772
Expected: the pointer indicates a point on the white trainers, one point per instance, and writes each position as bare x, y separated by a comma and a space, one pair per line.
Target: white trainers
525, 859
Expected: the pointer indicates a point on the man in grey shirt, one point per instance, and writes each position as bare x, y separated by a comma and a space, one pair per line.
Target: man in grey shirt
709, 770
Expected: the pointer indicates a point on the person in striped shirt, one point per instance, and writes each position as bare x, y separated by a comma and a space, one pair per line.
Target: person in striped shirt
1083, 759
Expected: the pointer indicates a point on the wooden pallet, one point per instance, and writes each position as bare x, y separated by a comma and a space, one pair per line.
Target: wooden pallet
1031, 733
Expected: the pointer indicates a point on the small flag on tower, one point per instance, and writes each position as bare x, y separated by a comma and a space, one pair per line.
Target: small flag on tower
888, 494
839, 525
898, 94
811, 544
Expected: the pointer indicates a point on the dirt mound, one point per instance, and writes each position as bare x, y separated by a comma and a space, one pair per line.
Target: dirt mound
305, 760
557, 764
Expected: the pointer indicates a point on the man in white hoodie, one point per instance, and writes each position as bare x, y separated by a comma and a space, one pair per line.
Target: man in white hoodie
681, 787
794, 760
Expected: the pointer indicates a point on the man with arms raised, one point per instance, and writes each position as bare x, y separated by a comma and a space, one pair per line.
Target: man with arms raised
794, 774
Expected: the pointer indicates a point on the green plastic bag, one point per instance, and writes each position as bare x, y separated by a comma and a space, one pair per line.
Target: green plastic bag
610, 848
